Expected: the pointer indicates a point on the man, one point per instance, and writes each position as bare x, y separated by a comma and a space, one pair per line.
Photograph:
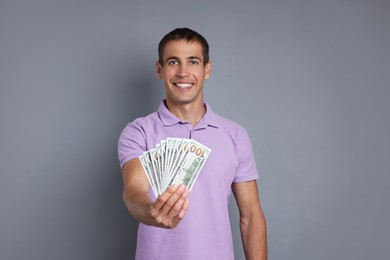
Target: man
191, 225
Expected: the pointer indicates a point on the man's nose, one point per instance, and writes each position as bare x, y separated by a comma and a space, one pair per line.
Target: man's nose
182, 71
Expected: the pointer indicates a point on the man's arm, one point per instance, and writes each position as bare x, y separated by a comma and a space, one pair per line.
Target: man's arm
252, 220
167, 211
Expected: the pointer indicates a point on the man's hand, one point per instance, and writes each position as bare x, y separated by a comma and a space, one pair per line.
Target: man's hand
169, 209
166, 212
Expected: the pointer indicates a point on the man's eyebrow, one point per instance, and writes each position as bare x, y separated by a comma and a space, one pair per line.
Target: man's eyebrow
172, 58
194, 58
187, 58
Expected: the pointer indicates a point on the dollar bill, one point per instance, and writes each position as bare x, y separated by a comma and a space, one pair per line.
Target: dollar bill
174, 161
147, 166
195, 156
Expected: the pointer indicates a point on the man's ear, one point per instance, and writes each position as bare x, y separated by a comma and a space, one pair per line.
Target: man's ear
158, 70
208, 70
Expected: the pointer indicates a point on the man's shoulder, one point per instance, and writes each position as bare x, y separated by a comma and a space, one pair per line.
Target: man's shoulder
145, 120
229, 127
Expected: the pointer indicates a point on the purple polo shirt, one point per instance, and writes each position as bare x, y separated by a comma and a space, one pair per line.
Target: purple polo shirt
205, 232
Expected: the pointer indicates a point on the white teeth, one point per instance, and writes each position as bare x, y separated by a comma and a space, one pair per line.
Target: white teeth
183, 85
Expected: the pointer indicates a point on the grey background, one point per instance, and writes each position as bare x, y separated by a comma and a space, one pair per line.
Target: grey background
309, 80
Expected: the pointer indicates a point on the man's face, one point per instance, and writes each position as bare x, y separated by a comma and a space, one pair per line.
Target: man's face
183, 72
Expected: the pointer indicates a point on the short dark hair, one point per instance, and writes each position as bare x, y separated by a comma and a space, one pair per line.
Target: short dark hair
187, 35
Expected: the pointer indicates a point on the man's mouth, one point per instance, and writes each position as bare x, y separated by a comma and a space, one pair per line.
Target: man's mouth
183, 85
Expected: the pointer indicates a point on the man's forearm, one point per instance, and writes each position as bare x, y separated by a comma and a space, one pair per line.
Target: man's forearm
138, 205
254, 237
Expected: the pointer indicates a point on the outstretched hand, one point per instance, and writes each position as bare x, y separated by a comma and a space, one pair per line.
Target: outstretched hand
170, 208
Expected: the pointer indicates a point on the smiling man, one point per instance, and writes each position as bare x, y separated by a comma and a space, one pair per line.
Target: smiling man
183, 69
180, 224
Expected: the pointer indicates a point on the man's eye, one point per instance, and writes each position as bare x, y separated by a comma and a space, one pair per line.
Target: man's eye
194, 62
172, 62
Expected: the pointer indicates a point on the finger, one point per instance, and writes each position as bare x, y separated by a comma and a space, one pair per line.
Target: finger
171, 201
162, 199
179, 204
176, 220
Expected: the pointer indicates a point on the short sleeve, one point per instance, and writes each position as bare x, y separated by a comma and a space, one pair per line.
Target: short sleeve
246, 169
131, 143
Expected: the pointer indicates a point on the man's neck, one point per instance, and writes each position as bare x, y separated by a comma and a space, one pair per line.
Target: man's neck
192, 112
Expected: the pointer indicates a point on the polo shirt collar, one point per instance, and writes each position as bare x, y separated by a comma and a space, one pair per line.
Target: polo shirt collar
168, 119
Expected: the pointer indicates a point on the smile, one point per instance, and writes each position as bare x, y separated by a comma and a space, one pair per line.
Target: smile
183, 85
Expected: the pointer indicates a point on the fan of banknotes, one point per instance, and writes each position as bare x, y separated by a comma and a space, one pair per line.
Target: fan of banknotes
174, 161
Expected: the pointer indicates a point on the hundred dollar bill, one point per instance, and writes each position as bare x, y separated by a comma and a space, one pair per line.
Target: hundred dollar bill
154, 159
195, 156
174, 161
163, 148
147, 164
159, 159
180, 155
173, 147
170, 144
